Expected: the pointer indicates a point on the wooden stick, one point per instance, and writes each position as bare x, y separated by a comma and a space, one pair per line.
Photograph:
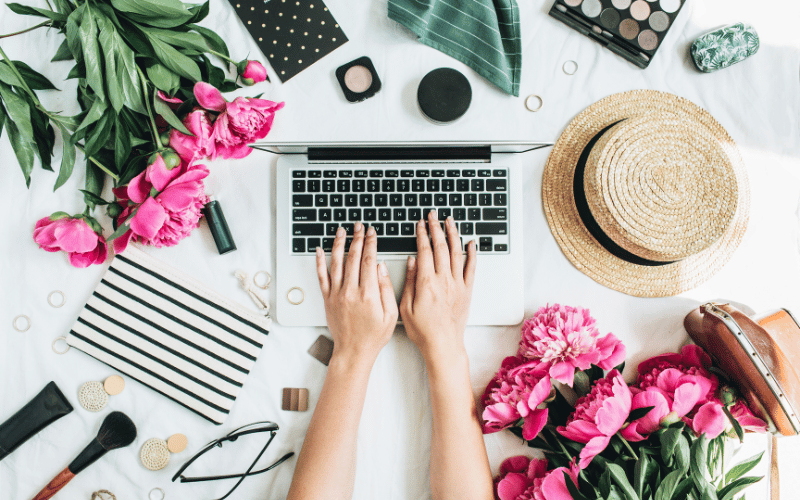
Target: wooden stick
774, 477
55, 485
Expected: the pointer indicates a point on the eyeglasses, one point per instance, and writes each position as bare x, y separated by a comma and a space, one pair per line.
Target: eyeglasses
254, 428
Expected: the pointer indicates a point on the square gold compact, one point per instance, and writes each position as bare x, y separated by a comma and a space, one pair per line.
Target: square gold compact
358, 79
633, 29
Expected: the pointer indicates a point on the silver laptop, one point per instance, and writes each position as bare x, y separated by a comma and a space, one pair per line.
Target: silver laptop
390, 186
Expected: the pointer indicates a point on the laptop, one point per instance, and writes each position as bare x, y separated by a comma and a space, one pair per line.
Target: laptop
390, 186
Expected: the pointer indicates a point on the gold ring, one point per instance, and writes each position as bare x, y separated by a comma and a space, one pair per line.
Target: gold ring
571, 65
103, 495
27, 323
530, 102
264, 286
156, 490
289, 293
56, 292
65, 342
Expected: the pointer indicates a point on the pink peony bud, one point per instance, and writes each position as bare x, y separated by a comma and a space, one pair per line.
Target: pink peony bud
253, 73
75, 236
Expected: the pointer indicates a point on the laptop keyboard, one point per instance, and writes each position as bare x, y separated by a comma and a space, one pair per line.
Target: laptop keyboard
392, 200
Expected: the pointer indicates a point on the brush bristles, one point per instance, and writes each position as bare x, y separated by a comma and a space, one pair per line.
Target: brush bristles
117, 431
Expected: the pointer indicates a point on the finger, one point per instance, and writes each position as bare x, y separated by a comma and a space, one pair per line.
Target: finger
337, 259
410, 288
369, 259
441, 253
352, 270
387, 290
472, 264
456, 255
424, 252
322, 273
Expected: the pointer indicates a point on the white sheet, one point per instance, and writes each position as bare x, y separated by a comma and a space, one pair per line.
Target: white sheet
757, 101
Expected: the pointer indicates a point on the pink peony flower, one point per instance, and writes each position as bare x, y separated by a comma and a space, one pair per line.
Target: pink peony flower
565, 339
598, 416
198, 146
172, 100
524, 479
253, 73
240, 122
515, 392
167, 215
749, 422
671, 401
75, 236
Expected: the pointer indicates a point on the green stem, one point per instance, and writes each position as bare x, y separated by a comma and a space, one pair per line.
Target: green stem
154, 130
222, 56
627, 445
43, 23
19, 77
99, 165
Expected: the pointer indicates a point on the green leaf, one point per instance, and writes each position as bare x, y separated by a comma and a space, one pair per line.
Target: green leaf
44, 133
95, 180
91, 53
162, 78
98, 137
620, 367
644, 471
34, 79
604, 485
109, 41
669, 440
26, 10
639, 413
96, 200
573, 490
199, 12
73, 33
122, 229
595, 373
621, 480
175, 61
683, 488
77, 71
23, 149
122, 144
71, 122
164, 110
19, 112
94, 114
92, 222
160, 13
64, 6
2, 118
735, 487
63, 53
737, 427
214, 41
7, 76
67, 158
187, 40
58, 215
698, 469
682, 454
743, 468
667, 488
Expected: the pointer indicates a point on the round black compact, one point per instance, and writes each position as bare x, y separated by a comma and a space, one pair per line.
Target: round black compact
444, 95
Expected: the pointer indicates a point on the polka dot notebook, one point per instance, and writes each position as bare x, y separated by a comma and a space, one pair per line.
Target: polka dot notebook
293, 34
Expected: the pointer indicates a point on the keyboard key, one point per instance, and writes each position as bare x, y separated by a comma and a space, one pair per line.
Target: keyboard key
495, 214
498, 247
388, 185
491, 228
376, 173
474, 214
327, 244
397, 245
313, 186
304, 215
477, 184
496, 185
410, 200
440, 200
336, 200
315, 174
302, 200
298, 186
454, 173
460, 214
378, 226
433, 185
423, 173
437, 173
298, 174
414, 214
485, 200
330, 229
418, 185
426, 211
393, 229
346, 173
392, 173
298, 245
340, 214
448, 185
499, 173
343, 186
348, 228
455, 200
399, 214
403, 185
467, 228
406, 173
365, 200
426, 199
321, 200
470, 199
359, 185
381, 200
370, 214
350, 200
385, 214
312, 244
462, 185
373, 186
328, 186
354, 215
407, 229
468, 173
444, 213
307, 229
500, 200
361, 173
484, 173
396, 200
485, 244
328, 174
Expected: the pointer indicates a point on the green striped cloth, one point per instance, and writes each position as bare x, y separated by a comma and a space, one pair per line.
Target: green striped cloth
483, 34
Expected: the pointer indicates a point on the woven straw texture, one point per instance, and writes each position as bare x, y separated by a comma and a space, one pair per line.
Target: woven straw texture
92, 396
154, 454
667, 183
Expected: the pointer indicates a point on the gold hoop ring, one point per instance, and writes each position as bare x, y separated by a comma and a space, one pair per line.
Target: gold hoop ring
27, 323
55, 350
289, 295
266, 285
56, 292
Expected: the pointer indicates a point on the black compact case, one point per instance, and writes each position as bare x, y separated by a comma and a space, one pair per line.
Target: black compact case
633, 29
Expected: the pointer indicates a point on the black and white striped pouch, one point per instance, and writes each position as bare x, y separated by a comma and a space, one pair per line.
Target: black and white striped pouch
171, 333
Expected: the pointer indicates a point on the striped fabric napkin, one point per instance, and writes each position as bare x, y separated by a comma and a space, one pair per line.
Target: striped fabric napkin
172, 334
483, 34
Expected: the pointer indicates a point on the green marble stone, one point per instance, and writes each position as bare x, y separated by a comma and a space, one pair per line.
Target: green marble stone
724, 47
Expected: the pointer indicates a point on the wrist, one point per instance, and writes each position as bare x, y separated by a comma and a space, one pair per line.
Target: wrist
445, 361
352, 360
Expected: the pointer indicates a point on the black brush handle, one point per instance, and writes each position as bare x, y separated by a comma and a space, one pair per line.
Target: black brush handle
88, 456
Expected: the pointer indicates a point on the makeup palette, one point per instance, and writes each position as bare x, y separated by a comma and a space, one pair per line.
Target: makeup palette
358, 79
633, 29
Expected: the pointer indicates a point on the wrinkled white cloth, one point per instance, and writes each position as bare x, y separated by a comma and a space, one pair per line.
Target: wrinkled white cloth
757, 101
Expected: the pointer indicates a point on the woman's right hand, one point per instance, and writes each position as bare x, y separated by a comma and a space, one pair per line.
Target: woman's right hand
436, 298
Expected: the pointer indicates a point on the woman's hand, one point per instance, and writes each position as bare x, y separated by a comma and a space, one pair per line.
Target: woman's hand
438, 290
359, 299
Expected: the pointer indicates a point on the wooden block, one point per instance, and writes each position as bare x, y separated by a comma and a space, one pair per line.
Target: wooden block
322, 349
295, 399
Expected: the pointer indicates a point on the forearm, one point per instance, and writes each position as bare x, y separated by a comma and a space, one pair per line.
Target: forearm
459, 464
326, 465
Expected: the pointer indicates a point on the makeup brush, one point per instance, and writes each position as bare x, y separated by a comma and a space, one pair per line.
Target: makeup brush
117, 431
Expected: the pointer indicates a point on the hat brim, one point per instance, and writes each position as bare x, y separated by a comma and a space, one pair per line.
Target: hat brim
583, 250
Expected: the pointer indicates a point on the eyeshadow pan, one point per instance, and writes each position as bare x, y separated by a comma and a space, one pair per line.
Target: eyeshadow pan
591, 8
358, 79
573, 3
670, 5
610, 18
629, 29
621, 4
648, 39
659, 21
640, 10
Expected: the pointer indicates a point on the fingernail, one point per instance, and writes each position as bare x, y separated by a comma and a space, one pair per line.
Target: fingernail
370, 231
384, 269
451, 221
359, 227
340, 232
434, 216
472, 243
412, 262
319, 250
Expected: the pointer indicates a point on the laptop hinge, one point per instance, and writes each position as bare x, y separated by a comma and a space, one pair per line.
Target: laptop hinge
382, 154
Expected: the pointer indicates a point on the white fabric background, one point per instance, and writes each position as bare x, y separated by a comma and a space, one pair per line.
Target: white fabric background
757, 101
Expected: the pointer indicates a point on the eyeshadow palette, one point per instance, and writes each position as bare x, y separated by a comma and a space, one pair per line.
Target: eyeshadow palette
633, 29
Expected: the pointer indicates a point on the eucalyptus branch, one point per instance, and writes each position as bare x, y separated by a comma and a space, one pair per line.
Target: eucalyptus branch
99, 165
43, 23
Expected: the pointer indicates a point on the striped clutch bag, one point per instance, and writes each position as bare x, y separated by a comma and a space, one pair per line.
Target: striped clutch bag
171, 333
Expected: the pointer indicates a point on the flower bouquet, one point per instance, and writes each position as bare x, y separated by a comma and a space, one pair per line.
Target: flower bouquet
151, 108
662, 437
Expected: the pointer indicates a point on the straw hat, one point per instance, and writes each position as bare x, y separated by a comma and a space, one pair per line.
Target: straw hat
660, 200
